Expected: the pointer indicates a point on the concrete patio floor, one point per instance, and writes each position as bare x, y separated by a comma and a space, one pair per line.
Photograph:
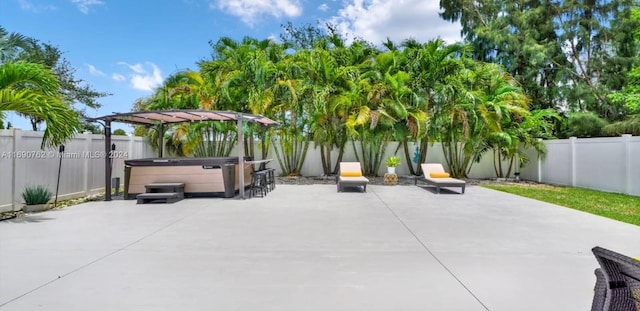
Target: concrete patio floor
309, 248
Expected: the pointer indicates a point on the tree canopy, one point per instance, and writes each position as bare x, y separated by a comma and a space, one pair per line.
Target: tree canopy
338, 95
37, 82
567, 55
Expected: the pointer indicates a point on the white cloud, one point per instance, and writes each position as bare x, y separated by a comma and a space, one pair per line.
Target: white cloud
118, 77
250, 10
147, 82
137, 68
375, 20
94, 71
28, 6
144, 77
85, 5
323, 7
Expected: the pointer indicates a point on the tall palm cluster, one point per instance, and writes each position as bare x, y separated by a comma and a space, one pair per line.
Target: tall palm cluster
33, 90
338, 95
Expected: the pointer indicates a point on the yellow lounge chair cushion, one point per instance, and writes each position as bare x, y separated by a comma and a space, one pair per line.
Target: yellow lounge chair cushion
439, 175
351, 174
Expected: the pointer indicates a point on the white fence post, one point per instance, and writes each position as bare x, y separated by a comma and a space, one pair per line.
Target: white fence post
627, 162
572, 146
539, 165
17, 135
132, 140
86, 137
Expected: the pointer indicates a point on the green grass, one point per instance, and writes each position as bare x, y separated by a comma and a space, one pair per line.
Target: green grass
616, 206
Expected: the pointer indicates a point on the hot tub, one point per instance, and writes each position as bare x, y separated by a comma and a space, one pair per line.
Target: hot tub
202, 177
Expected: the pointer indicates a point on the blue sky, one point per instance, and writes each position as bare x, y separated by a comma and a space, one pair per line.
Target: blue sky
128, 47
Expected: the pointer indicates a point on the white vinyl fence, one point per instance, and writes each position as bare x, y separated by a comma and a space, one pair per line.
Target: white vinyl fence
609, 164
23, 163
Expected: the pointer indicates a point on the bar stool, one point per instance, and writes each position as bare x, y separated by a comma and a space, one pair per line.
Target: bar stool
259, 184
271, 178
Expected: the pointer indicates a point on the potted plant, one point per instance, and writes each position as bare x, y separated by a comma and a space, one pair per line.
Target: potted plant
392, 162
36, 198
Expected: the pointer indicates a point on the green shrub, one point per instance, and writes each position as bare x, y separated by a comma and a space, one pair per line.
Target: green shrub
37, 194
585, 124
629, 126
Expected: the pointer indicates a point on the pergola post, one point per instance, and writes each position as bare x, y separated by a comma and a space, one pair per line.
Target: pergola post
107, 159
161, 141
240, 155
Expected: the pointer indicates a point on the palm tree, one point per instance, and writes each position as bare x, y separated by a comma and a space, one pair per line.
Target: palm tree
292, 102
485, 104
190, 90
432, 66
346, 103
459, 126
244, 73
367, 124
33, 90
537, 126
11, 44
207, 139
328, 107
164, 99
510, 123
392, 105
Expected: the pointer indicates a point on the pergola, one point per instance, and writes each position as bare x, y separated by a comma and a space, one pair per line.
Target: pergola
160, 118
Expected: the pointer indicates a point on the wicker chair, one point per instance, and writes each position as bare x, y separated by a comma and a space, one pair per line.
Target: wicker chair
617, 282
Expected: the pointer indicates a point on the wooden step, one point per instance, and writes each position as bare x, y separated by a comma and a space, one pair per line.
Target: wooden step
159, 197
164, 187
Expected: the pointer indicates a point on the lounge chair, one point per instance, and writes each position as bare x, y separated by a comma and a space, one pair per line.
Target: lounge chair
350, 175
617, 282
435, 175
